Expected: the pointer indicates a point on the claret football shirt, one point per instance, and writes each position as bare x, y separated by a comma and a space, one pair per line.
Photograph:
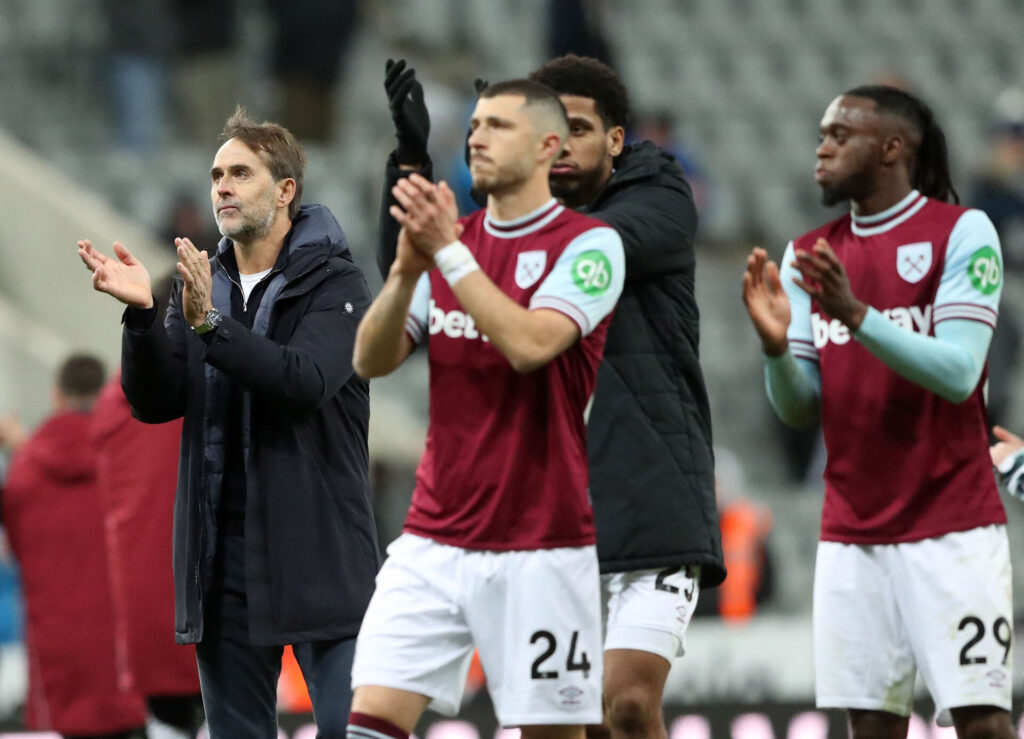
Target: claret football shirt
903, 463
505, 464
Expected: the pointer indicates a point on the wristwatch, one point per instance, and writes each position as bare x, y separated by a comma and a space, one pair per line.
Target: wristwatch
212, 321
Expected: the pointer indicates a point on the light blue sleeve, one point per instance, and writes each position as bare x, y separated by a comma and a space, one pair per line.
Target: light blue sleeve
587, 279
799, 334
417, 323
793, 381
949, 364
972, 277
794, 389
964, 317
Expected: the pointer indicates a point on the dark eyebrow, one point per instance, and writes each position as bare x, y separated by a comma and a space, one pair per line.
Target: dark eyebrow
494, 120
233, 168
580, 121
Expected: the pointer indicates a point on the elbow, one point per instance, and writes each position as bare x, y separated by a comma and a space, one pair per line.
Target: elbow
364, 368
799, 419
359, 365
369, 367
960, 386
154, 415
802, 421
528, 359
958, 394
525, 367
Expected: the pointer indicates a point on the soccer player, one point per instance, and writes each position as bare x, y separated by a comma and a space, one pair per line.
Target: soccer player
498, 547
649, 431
1008, 458
880, 322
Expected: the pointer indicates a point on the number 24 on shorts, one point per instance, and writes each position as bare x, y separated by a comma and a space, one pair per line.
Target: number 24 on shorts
536, 673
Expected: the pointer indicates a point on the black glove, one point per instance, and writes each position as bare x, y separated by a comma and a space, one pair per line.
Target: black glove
480, 84
408, 111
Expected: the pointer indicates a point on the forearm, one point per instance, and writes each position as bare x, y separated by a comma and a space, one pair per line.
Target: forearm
949, 364
381, 343
296, 379
794, 389
513, 330
152, 375
388, 227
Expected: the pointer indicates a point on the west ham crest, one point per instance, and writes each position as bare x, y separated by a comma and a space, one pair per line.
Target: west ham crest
530, 267
914, 260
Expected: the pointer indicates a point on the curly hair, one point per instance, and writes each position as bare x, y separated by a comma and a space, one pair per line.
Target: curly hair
590, 78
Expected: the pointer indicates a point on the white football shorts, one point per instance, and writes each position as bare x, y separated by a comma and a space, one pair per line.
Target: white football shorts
650, 610
534, 617
943, 606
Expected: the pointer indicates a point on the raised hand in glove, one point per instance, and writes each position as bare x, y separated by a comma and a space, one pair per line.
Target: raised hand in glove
408, 111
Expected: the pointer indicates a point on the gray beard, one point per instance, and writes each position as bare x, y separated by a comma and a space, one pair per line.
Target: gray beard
251, 228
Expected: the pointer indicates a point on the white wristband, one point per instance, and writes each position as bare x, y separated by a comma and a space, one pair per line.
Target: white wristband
455, 261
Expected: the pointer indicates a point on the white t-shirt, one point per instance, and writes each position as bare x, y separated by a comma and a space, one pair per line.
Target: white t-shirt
248, 282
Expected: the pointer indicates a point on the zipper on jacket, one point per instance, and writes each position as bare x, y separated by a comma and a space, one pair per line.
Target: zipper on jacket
245, 300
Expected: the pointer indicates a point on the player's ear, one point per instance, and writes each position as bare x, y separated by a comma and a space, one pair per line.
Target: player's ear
616, 140
550, 147
894, 148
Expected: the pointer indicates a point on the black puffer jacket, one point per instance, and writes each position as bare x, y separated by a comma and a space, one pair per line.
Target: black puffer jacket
649, 434
310, 540
652, 476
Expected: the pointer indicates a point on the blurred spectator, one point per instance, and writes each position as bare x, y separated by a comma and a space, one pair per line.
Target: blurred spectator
999, 191
137, 472
206, 76
52, 513
141, 38
659, 127
745, 528
311, 37
187, 219
576, 27
12, 651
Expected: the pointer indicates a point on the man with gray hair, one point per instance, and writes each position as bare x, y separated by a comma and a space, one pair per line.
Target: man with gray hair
275, 542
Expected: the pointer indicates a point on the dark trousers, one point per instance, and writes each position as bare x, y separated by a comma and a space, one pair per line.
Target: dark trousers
239, 680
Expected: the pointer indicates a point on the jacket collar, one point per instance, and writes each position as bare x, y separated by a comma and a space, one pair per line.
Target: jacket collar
640, 161
315, 235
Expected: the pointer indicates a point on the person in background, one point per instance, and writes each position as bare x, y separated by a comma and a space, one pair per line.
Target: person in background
137, 473
745, 526
52, 511
1008, 458
999, 191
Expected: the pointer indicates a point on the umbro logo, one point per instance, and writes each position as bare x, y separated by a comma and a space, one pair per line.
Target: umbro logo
571, 695
996, 678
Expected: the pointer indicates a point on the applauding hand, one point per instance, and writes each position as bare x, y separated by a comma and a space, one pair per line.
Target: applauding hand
125, 277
